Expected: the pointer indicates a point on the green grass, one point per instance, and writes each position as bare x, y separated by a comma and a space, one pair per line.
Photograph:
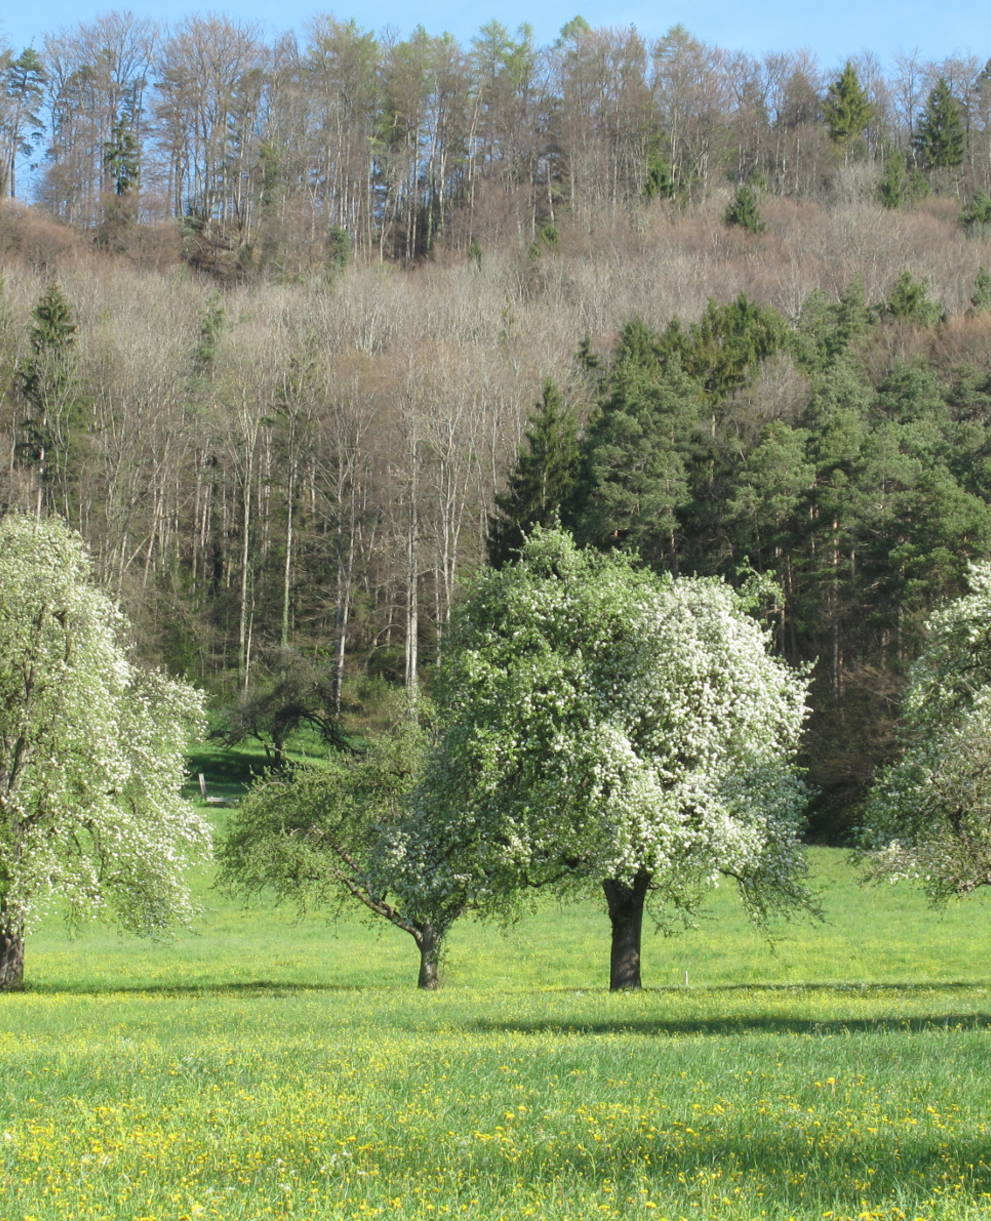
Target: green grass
263, 1066
230, 770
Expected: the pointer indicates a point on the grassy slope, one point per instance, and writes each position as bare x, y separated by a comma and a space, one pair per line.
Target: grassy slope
262, 1066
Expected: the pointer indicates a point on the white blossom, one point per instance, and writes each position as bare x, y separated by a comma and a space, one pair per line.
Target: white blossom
598, 721
91, 748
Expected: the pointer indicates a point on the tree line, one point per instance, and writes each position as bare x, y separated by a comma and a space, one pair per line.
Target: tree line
277, 156
283, 484
595, 723
861, 487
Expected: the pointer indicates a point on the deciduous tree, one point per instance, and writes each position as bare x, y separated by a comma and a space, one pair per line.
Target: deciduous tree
599, 724
324, 837
928, 816
91, 753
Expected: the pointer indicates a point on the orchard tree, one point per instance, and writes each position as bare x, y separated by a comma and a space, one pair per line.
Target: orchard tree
601, 724
928, 816
91, 753
329, 835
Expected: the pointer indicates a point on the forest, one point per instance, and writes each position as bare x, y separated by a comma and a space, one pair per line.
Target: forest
296, 334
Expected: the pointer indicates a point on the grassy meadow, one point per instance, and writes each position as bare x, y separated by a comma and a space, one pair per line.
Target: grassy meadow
263, 1066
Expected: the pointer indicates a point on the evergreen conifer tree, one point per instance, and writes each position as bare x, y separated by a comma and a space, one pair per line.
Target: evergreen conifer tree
847, 108
542, 480
48, 387
980, 298
976, 216
744, 211
899, 186
910, 301
940, 139
637, 452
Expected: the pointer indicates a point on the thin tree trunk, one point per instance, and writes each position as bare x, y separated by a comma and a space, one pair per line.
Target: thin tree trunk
242, 634
625, 905
11, 954
287, 567
412, 592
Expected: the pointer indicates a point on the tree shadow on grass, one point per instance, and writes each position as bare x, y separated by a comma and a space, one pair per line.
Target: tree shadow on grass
756, 1022
256, 987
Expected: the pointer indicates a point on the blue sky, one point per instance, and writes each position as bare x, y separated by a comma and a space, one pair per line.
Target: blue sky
834, 31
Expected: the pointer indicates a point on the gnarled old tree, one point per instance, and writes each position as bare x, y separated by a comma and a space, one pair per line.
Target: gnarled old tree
601, 724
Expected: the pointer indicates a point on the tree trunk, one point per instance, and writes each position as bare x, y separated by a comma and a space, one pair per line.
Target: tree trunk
11, 957
625, 905
429, 944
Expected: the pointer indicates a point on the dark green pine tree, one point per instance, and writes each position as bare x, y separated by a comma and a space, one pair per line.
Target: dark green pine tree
637, 451
976, 216
47, 384
980, 298
910, 301
122, 165
940, 139
727, 345
847, 109
541, 483
744, 210
23, 89
827, 330
899, 186
121, 157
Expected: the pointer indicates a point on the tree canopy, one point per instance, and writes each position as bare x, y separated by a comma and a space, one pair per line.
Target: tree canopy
847, 108
330, 835
601, 724
928, 815
91, 752
941, 138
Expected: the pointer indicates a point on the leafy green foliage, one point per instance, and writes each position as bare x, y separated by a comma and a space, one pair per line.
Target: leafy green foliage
49, 390
23, 83
91, 749
827, 330
864, 492
597, 721
339, 833
340, 249
976, 216
309, 835
899, 186
728, 343
292, 690
980, 298
637, 449
929, 814
659, 181
121, 156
